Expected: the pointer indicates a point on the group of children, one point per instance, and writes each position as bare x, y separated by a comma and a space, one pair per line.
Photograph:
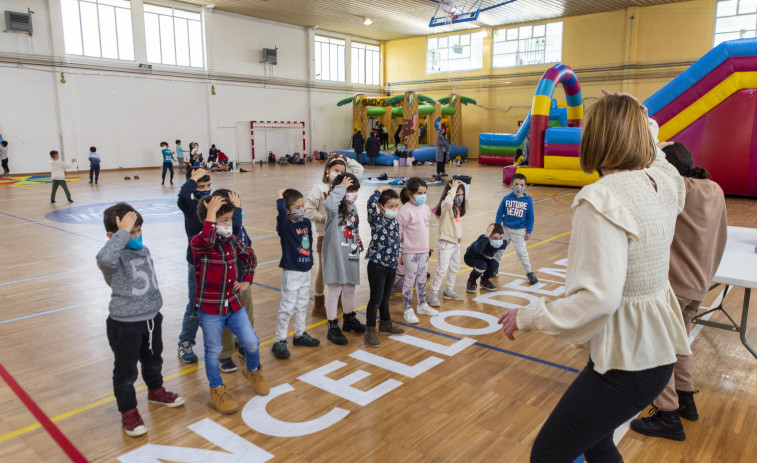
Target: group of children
221, 265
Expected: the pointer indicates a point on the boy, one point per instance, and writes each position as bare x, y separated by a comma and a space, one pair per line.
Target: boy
516, 215
180, 156
481, 256
134, 324
4, 158
216, 254
296, 237
94, 164
167, 160
58, 175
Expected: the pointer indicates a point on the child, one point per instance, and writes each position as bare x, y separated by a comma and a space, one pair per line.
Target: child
58, 175
341, 255
134, 324
4, 158
167, 161
449, 211
180, 156
94, 164
296, 261
516, 215
383, 256
216, 252
413, 219
315, 212
442, 153
480, 256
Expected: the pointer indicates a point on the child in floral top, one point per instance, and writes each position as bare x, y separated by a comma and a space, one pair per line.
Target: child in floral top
383, 256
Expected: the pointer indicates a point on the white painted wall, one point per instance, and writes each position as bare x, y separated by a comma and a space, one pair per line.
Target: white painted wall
126, 113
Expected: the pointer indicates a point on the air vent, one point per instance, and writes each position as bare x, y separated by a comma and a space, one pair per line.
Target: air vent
269, 55
18, 22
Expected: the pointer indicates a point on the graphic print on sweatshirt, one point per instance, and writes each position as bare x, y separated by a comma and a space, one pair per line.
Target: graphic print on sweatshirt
351, 238
515, 208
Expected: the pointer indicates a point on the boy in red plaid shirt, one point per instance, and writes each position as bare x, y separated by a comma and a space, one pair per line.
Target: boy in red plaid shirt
216, 254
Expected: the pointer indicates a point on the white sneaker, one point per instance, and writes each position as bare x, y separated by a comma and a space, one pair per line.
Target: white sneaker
410, 316
425, 309
433, 299
451, 294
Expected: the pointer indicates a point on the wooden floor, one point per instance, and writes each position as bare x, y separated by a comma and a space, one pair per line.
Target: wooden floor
481, 402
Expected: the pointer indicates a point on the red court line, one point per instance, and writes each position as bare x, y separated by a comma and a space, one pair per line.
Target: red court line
65, 444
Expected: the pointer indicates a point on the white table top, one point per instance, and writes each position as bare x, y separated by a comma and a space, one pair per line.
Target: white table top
739, 264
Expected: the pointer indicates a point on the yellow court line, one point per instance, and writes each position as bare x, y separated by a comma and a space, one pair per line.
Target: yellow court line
261, 229
106, 400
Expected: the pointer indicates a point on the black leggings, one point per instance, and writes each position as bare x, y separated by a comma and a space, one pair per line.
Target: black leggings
440, 167
593, 406
380, 280
167, 166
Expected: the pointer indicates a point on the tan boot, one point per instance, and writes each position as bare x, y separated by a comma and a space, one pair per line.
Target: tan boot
319, 308
371, 338
222, 401
387, 327
257, 380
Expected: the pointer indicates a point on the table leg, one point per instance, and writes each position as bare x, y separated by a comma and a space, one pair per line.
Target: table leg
744, 320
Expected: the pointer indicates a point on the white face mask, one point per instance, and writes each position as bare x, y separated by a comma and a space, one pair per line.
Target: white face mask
333, 175
224, 231
350, 198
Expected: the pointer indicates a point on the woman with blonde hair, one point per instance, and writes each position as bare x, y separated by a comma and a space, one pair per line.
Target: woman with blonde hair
617, 297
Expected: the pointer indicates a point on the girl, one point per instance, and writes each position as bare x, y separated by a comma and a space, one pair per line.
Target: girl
341, 255
449, 211
317, 215
383, 255
413, 218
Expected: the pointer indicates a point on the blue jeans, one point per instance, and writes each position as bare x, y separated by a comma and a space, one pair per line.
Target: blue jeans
238, 323
94, 169
189, 324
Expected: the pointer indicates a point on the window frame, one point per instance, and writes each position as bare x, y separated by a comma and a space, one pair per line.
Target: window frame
367, 49
69, 33
738, 10
201, 53
340, 55
521, 36
441, 53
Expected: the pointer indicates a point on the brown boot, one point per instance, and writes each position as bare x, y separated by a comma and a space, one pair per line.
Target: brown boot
319, 308
387, 327
371, 338
257, 380
222, 401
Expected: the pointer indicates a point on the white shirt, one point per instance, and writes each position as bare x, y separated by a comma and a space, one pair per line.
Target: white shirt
3, 153
58, 169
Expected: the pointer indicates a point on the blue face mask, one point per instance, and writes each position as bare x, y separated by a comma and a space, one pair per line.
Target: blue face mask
200, 194
496, 244
420, 199
135, 243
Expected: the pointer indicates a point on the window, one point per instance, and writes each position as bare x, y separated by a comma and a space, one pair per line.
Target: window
365, 63
173, 36
99, 28
735, 19
450, 53
527, 45
329, 59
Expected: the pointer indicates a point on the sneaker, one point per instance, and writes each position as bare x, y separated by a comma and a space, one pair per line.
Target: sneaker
532, 278
471, 286
687, 409
257, 380
488, 285
185, 352
227, 365
387, 327
371, 338
433, 299
70, 201
451, 294
222, 401
90, 181
335, 334
162, 397
279, 349
352, 324
660, 424
305, 340
425, 309
132, 423
136, 177
410, 316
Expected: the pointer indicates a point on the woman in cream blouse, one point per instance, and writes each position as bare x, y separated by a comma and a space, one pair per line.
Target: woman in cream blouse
618, 300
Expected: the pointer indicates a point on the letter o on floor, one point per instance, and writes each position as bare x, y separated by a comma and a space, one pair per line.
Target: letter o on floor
441, 323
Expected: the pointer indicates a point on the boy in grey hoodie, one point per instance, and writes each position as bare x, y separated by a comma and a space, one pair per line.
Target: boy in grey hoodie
134, 323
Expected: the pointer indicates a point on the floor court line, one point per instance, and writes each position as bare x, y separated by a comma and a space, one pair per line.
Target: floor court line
54, 228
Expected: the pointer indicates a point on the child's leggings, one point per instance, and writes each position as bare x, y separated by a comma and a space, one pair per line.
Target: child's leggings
416, 267
449, 259
332, 299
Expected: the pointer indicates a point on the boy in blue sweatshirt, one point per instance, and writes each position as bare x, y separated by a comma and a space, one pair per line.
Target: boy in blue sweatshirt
516, 215
296, 235
94, 164
480, 256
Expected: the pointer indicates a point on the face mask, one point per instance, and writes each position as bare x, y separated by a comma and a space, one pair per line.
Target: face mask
459, 200
200, 194
390, 213
350, 198
135, 243
519, 189
496, 244
420, 199
333, 175
297, 214
223, 232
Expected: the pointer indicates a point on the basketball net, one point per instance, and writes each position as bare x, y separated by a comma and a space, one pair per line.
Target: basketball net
451, 9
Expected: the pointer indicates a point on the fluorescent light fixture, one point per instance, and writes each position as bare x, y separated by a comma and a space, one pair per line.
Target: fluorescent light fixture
367, 21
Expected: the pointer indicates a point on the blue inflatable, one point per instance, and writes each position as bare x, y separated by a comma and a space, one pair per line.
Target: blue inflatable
424, 153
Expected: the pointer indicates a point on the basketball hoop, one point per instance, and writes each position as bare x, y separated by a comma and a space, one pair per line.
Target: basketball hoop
450, 8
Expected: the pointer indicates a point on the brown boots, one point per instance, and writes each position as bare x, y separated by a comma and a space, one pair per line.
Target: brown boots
371, 338
222, 401
387, 327
257, 380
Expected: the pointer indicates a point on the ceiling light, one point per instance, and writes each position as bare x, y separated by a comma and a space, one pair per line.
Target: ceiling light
367, 21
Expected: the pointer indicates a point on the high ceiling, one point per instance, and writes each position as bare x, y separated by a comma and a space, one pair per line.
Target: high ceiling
393, 19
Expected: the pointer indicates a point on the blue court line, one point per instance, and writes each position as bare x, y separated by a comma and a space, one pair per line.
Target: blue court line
25, 223
43, 276
54, 228
486, 346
